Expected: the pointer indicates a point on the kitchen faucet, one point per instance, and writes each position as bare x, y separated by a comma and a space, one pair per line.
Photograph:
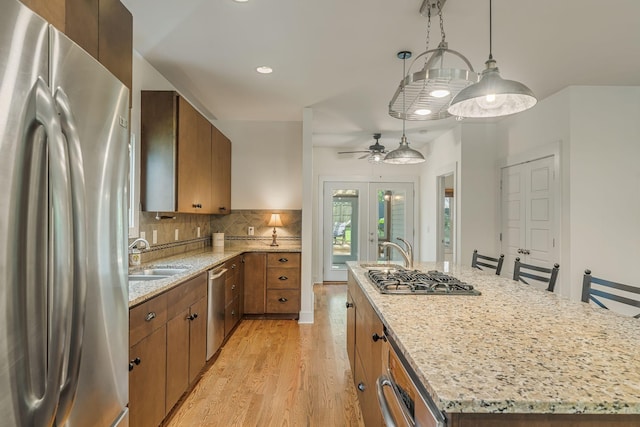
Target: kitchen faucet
134, 252
134, 245
407, 253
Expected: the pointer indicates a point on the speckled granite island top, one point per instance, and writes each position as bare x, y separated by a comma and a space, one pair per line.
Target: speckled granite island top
513, 349
196, 262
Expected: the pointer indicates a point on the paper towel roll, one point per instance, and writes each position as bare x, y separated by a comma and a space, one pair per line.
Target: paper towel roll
218, 239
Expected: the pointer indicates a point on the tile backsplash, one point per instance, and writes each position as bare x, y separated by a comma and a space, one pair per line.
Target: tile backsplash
235, 226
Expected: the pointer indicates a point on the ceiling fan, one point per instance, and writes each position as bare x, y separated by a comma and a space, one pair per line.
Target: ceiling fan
375, 153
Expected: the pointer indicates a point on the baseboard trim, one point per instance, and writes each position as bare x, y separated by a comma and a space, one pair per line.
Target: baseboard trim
306, 317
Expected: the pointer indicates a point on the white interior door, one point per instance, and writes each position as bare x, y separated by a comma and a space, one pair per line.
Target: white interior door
528, 215
391, 216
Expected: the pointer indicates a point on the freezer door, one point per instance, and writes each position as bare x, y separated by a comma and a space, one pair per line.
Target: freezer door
94, 108
23, 243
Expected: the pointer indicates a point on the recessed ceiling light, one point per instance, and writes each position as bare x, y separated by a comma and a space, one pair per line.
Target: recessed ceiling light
264, 69
241, 1
423, 112
439, 93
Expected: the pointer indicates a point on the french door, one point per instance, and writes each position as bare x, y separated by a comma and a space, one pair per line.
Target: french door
358, 216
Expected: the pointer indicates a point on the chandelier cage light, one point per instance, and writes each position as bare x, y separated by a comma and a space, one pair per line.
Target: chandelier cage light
444, 74
404, 155
492, 96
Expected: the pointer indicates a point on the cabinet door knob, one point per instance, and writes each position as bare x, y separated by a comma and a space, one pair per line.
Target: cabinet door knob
375, 337
134, 362
361, 386
150, 316
283, 299
193, 316
283, 260
233, 287
349, 304
283, 278
233, 312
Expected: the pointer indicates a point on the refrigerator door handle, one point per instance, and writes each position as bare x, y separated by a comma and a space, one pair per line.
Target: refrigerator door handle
69, 384
37, 401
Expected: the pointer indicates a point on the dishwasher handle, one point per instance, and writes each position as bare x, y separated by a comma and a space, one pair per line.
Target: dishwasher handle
217, 273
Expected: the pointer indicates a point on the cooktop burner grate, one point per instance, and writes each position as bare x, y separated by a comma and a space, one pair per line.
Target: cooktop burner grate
417, 282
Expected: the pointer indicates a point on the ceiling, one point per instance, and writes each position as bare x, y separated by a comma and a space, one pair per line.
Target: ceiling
339, 56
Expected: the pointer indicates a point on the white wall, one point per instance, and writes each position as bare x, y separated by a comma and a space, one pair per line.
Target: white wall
599, 137
443, 158
478, 192
266, 166
605, 183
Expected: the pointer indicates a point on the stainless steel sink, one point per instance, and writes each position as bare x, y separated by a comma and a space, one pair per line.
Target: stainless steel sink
156, 273
382, 266
145, 277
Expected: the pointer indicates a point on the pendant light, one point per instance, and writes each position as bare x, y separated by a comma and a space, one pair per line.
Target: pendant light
403, 155
445, 73
492, 96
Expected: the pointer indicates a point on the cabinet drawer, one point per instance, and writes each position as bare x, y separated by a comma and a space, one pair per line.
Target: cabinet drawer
283, 301
231, 316
185, 294
283, 278
146, 318
231, 289
283, 259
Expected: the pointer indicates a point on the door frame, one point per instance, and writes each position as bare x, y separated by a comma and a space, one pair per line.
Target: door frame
440, 188
319, 242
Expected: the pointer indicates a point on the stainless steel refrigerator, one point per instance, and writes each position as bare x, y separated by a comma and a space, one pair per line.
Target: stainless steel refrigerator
63, 229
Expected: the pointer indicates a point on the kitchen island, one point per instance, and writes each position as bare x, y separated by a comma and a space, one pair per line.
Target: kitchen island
514, 350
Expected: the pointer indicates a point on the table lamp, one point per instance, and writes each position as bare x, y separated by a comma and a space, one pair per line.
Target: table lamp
274, 222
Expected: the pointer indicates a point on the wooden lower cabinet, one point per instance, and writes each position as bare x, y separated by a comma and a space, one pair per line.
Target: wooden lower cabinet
147, 380
168, 336
234, 293
365, 347
255, 273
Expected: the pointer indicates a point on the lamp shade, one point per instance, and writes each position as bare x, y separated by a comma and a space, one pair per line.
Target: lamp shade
404, 155
275, 221
492, 96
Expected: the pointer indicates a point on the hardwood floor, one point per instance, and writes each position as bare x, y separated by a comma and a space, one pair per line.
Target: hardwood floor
280, 373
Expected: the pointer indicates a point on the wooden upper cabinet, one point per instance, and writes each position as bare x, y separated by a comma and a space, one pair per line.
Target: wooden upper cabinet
176, 155
194, 160
104, 28
115, 39
221, 172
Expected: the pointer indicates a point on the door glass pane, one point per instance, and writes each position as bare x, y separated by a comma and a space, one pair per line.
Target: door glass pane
391, 220
345, 227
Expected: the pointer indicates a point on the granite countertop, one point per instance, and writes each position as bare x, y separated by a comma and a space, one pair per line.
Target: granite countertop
195, 262
513, 349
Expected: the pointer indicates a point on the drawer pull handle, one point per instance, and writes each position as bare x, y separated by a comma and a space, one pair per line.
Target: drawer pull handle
283, 278
283, 299
222, 208
283, 260
150, 316
349, 304
233, 266
197, 205
194, 316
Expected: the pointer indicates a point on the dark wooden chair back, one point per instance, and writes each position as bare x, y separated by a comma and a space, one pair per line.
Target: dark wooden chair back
530, 271
478, 261
597, 295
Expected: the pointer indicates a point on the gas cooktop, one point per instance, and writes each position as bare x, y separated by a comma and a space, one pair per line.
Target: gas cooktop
412, 282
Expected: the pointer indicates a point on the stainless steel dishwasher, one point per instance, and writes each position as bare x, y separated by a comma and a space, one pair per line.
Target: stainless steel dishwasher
215, 311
